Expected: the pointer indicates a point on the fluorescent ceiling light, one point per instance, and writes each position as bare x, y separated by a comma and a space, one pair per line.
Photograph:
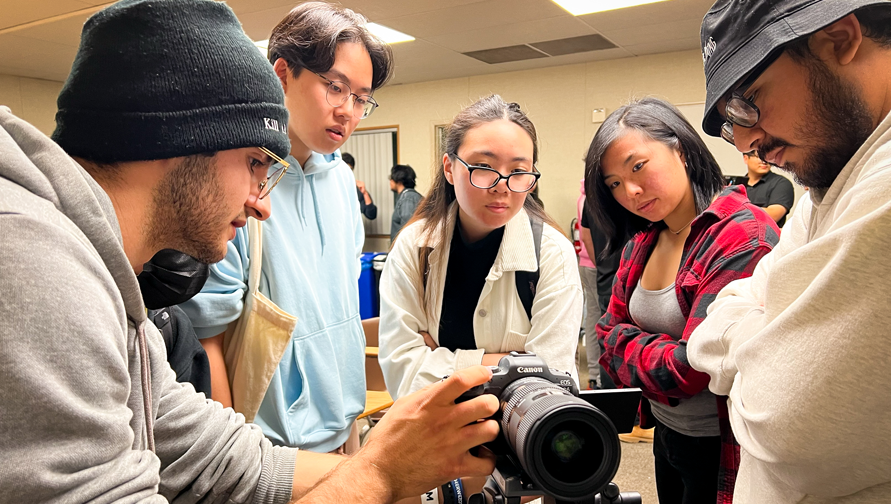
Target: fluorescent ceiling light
388, 35
263, 45
581, 7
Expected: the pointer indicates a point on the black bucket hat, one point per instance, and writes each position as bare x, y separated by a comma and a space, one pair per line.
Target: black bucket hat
739, 36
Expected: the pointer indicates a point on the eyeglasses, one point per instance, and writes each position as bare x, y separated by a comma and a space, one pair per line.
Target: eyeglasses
339, 92
740, 110
483, 177
270, 181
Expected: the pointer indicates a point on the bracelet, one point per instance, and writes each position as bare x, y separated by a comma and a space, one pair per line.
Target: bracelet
450, 493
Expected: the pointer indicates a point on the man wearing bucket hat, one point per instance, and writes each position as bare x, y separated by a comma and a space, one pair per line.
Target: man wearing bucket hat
801, 347
166, 130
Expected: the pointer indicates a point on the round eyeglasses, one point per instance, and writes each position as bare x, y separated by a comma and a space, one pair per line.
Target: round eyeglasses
273, 178
739, 111
339, 92
483, 177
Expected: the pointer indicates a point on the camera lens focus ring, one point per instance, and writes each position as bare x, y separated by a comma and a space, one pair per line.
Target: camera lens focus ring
568, 447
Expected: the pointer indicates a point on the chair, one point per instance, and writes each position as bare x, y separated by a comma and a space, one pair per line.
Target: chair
376, 396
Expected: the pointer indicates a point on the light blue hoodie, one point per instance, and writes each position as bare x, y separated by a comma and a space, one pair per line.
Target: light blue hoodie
311, 245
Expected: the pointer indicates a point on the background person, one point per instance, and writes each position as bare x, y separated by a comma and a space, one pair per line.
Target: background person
800, 347
328, 65
650, 176
402, 182
366, 205
449, 292
91, 409
774, 193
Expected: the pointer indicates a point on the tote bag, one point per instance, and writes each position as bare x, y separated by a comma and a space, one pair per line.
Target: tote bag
254, 344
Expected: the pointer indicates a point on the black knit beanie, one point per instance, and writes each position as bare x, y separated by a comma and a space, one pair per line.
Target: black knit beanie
156, 79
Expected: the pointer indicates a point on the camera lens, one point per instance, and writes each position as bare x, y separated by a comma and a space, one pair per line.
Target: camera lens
569, 448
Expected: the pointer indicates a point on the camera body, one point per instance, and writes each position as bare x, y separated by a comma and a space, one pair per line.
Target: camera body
516, 366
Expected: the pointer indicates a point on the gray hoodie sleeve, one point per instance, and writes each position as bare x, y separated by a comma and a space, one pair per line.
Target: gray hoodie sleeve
72, 429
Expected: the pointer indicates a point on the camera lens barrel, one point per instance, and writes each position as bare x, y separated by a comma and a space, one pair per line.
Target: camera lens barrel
569, 448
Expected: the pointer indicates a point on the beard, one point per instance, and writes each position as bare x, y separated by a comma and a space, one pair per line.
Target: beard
187, 212
837, 123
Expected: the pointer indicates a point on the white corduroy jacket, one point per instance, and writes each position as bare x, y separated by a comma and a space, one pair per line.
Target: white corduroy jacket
500, 322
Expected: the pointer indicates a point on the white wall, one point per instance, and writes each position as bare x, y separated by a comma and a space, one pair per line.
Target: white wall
559, 100
33, 100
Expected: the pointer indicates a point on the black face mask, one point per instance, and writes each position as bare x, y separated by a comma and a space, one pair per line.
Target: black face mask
171, 278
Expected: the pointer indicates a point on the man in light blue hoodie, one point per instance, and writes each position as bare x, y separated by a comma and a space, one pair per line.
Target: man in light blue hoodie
329, 66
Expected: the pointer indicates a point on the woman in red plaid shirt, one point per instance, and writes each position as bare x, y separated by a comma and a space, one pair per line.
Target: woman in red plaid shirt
649, 176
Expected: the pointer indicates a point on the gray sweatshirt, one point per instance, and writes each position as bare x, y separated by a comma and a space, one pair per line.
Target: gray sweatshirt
89, 408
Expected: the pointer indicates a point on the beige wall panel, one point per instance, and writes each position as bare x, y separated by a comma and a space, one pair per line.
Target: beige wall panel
34, 100
559, 100
39, 103
11, 94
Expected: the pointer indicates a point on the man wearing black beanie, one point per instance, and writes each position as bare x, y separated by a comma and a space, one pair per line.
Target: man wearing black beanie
166, 130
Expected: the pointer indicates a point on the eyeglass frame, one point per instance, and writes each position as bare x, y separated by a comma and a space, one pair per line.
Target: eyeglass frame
472, 168
371, 100
264, 186
737, 94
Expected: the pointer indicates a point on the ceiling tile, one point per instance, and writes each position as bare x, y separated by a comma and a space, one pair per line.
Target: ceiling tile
525, 32
23, 52
633, 18
378, 11
672, 30
506, 54
490, 14
65, 31
16, 12
663, 46
573, 45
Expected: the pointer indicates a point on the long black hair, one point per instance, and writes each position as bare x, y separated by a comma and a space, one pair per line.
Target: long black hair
662, 122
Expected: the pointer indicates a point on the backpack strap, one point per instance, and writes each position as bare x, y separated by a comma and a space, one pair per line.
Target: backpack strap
527, 281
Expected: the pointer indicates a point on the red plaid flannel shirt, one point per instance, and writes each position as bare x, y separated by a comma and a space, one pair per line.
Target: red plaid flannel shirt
725, 243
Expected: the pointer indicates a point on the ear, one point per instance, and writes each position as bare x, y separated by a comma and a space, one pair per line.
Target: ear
282, 71
447, 169
839, 41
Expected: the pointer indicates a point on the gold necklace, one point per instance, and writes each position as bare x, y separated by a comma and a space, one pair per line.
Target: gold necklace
683, 228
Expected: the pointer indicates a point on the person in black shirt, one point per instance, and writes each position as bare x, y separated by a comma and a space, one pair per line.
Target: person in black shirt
366, 205
774, 193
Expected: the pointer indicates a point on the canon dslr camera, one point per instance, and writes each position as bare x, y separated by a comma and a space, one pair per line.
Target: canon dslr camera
567, 448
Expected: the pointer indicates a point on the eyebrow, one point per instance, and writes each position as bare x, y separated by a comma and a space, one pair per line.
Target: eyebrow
342, 77
492, 155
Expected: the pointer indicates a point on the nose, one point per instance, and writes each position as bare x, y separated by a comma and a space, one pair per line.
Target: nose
632, 190
257, 208
501, 186
747, 139
345, 109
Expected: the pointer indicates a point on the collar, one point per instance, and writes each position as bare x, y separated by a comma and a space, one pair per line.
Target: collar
517, 251
767, 176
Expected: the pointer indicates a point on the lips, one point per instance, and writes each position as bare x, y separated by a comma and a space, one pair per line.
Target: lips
775, 157
646, 206
335, 132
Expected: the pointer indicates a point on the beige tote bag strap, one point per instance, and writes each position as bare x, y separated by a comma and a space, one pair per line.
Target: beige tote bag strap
255, 249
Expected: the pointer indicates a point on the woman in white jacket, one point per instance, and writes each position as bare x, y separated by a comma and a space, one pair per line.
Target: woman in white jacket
449, 298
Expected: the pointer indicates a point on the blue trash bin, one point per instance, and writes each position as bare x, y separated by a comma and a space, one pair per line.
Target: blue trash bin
367, 288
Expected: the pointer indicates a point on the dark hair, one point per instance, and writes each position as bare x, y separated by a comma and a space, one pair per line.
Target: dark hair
403, 174
308, 37
659, 121
434, 208
875, 23
348, 159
